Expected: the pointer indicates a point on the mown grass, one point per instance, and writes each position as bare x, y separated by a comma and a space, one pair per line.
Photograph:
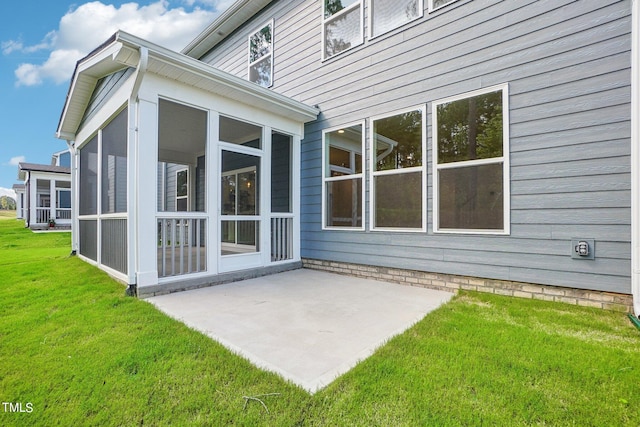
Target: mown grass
82, 353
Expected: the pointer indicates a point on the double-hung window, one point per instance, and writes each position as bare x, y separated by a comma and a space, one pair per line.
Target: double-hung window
398, 185
341, 26
261, 56
471, 162
387, 15
342, 168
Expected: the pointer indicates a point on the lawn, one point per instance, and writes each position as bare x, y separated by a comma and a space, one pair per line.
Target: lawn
74, 350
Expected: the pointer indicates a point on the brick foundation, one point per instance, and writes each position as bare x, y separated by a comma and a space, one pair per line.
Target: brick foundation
449, 282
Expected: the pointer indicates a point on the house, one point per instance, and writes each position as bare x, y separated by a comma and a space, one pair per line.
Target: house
446, 143
19, 189
45, 197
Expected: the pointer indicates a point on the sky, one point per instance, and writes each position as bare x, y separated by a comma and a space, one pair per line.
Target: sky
40, 43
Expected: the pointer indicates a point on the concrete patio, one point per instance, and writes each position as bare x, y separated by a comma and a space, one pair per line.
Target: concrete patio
308, 326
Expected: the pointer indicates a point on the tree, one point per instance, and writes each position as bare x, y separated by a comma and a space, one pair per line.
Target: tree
7, 203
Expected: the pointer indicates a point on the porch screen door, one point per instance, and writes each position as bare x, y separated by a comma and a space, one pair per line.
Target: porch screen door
240, 220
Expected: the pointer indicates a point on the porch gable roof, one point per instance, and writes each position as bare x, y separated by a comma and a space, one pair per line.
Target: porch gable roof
124, 50
24, 167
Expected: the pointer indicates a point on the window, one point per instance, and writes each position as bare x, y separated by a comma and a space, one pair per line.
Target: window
261, 56
343, 174
341, 26
398, 177
64, 159
437, 4
182, 145
386, 15
88, 180
63, 199
182, 190
114, 165
281, 173
471, 185
241, 133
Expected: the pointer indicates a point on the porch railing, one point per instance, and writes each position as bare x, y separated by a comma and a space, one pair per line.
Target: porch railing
43, 215
63, 213
181, 245
281, 238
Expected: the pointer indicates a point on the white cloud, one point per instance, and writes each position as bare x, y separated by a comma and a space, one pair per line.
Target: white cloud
11, 46
16, 160
84, 28
7, 192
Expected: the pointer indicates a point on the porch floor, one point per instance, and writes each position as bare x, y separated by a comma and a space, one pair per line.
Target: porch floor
308, 326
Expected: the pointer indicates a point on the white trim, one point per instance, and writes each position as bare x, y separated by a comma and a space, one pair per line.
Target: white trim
422, 169
354, 176
371, 15
504, 159
336, 15
270, 23
635, 155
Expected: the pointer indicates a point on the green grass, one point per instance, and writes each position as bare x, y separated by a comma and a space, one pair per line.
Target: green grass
81, 353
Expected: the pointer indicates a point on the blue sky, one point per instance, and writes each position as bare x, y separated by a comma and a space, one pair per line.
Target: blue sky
40, 41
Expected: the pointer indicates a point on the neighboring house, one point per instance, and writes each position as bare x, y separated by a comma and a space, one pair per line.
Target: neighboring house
454, 144
45, 197
20, 200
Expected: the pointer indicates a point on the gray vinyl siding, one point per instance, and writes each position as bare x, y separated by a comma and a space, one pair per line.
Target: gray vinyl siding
102, 92
567, 64
170, 186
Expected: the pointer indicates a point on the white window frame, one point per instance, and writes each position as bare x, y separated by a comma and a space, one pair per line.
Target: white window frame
504, 159
370, 20
432, 8
344, 11
326, 178
422, 169
188, 189
250, 63
60, 190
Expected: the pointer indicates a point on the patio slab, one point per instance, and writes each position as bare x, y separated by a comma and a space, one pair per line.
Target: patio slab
308, 326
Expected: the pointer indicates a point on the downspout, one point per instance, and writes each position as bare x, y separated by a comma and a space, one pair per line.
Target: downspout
133, 232
28, 210
74, 206
635, 156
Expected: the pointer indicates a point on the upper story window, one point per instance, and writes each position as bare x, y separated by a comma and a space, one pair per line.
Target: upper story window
64, 159
436, 4
386, 15
398, 190
261, 56
471, 162
341, 26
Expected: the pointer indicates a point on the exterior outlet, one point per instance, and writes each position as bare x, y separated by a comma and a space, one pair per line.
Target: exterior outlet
583, 248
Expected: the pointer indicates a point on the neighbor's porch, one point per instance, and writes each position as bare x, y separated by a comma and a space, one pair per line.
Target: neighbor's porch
48, 200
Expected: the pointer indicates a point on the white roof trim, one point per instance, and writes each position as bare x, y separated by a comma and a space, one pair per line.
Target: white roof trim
123, 50
232, 18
